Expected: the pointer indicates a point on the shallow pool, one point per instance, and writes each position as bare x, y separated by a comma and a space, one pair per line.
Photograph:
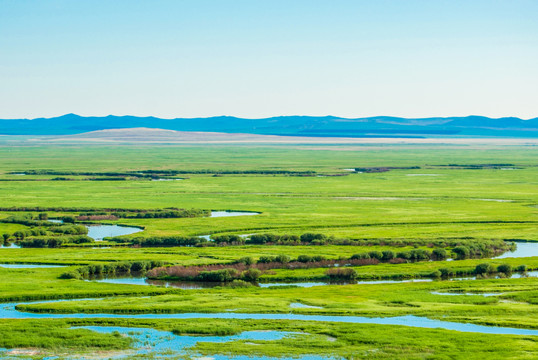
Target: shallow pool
99, 232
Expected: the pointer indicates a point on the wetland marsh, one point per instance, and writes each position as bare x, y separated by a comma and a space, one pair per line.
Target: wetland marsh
399, 225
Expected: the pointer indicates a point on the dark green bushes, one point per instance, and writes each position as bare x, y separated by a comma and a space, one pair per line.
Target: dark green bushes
504, 269
229, 239
339, 274
87, 213
439, 254
445, 273
308, 258
224, 275
118, 268
521, 268
155, 174
162, 241
483, 269
54, 241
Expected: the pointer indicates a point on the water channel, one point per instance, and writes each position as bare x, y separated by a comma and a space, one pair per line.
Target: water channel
8, 311
29, 266
195, 285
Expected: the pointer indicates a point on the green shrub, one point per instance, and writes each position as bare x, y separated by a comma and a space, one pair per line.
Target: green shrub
505, 269
376, 255
483, 269
522, 268
341, 274
439, 254
71, 275
304, 258
247, 260
462, 252
251, 275
445, 273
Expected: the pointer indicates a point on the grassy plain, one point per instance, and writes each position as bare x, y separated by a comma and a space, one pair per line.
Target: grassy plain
433, 202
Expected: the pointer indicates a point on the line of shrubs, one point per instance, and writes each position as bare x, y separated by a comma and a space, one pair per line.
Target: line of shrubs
341, 274
86, 214
162, 241
54, 241
163, 213
384, 168
337, 267
471, 245
158, 173
481, 270
461, 249
112, 268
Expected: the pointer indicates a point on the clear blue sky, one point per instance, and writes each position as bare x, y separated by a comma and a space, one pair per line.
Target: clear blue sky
260, 58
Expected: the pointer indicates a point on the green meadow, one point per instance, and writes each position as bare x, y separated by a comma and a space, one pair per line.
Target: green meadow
426, 196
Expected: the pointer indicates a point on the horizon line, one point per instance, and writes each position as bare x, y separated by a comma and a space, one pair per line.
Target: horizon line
275, 116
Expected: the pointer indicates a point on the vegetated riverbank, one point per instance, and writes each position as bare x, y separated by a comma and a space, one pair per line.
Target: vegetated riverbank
248, 269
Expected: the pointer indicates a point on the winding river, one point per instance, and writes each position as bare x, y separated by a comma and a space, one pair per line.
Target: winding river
8, 311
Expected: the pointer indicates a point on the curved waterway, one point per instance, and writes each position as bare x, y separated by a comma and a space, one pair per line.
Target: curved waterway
10, 246
28, 266
195, 285
8, 311
100, 231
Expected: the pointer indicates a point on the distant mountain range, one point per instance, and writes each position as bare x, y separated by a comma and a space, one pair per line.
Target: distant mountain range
328, 126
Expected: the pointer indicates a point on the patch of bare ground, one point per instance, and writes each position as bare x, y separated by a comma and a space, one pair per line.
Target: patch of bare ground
24, 352
163, 136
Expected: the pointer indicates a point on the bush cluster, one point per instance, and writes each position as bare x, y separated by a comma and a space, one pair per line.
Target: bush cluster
163, 173
123, 267
54, 241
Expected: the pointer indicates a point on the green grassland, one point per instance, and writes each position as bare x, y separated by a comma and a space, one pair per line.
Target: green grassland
352, 341
404, 204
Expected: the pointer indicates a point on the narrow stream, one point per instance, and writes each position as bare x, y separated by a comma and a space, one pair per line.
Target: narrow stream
194, 285
28, 266
232, 213
8, 311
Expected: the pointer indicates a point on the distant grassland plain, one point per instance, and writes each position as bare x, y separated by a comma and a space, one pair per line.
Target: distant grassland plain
431, 201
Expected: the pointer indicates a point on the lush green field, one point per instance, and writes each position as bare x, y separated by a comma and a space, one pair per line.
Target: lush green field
433, 203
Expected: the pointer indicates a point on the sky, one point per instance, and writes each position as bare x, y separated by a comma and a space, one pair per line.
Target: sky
262, 58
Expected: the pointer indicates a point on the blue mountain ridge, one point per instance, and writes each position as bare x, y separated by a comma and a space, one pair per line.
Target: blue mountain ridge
377, 126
